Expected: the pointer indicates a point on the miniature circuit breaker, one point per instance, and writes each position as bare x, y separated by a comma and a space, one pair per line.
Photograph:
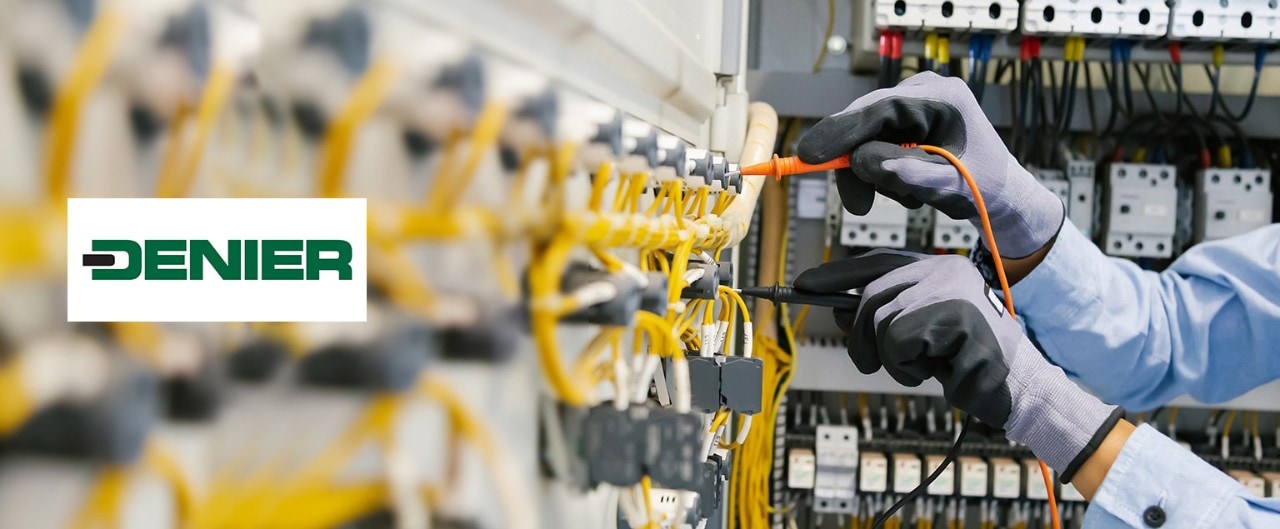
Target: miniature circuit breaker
1141, 211
1231, 201
885, 225
1081, 206
836, 451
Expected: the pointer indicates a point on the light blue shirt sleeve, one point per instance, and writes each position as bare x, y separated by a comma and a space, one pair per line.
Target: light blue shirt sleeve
1153, 473
1208, 326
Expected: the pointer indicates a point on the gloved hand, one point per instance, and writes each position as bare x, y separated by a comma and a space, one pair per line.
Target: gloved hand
934, 110
933, 317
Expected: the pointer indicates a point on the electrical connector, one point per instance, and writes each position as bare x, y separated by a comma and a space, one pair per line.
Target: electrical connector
388, 364
742, 384
704, 381
873, 472
112, 427
672, 447
945, 485
613, 442
1006, 478
257, 361
619, 309
493, 337
705, 283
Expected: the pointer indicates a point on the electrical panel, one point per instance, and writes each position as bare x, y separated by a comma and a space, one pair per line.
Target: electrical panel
1231, 201
1218, 20
1133, 19
1142, 202
1000, 16
885, 225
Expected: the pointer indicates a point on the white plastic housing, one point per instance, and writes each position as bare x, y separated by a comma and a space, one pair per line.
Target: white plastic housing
953, 234
884, 226
1142, 204
998, 16
834, 490
1231, 201
1133, 19
1248, 20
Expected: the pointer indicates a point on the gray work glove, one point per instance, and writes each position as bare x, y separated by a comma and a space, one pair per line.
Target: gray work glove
933, 317
933, 110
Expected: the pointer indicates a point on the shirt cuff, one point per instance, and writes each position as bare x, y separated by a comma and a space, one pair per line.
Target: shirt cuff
1155, 476
1066, 281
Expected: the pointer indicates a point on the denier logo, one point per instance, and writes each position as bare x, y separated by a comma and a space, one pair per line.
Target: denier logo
216, 260
240, 261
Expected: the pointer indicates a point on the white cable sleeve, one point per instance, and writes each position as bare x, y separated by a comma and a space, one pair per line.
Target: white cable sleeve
684, 394
708, 333
646, 377
622, 377
744, 430
722, 329
748, 339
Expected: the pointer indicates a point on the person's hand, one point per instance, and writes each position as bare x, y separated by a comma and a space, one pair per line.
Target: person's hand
927, 317
933, 110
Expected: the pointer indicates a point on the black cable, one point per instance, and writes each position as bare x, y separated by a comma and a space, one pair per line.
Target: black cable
1248, 103
1069, 98
1113, 91
1146, 89
1088, 98
1177, 78
924, 485
1215, 76
1128, 91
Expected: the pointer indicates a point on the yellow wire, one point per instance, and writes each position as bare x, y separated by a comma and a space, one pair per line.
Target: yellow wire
91, 62
216, 90
447, 188
362, 103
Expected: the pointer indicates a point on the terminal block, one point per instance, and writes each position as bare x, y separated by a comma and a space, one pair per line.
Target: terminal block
1141, 211
1132, 19
994, 16
673, 442
613, 443
742, 384
1231, 201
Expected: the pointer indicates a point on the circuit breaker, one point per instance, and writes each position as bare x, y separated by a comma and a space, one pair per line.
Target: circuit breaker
1006, 478
1218, 20
1080, 198
835, 483
999, 16
1141, 211
953, 234
1132, 19
1231, 201
1035, 480
885, 225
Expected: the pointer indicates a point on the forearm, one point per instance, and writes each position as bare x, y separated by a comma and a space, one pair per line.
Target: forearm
1138, 338
1091, 475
